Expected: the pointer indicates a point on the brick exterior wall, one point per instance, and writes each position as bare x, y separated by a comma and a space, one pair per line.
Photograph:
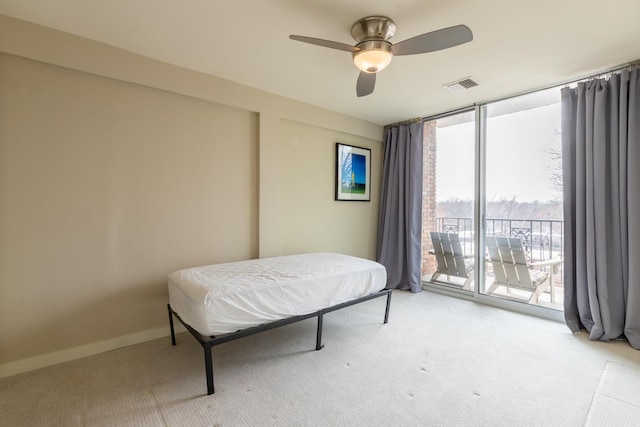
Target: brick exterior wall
428, 194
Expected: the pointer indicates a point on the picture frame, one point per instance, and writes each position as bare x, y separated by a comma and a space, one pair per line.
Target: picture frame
353, 173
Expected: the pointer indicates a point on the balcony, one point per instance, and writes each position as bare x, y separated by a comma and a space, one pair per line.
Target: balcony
543, 244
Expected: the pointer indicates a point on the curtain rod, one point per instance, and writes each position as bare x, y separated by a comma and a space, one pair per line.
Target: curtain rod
629, 66
404, 122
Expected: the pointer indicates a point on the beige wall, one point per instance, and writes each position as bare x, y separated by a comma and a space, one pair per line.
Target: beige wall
116, 169
310, 219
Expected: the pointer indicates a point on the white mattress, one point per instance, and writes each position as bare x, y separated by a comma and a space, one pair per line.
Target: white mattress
223, 298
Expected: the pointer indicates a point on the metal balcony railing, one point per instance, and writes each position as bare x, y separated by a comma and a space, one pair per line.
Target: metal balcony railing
542, 238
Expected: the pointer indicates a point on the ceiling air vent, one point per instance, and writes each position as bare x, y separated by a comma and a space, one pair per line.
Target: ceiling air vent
460, 85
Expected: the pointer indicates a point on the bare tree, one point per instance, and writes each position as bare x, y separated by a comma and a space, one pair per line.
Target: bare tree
554, 166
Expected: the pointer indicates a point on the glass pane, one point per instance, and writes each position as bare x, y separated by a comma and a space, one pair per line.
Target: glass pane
524, 219
448, 201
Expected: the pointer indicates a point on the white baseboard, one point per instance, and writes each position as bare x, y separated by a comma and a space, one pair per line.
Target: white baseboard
48, 359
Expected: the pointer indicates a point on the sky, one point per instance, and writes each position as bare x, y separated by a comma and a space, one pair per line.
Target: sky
518, 163
358, 164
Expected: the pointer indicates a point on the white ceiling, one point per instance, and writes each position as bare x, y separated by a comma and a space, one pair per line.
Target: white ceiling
518, 45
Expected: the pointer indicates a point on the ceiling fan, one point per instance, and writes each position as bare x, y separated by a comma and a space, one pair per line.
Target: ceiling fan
374, 51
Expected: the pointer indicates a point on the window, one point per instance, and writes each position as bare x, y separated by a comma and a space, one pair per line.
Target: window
448, 200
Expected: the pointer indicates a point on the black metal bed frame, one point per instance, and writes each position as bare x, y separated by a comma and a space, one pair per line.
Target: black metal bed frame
207, 342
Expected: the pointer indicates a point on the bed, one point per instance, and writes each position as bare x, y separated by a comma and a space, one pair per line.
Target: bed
223, 302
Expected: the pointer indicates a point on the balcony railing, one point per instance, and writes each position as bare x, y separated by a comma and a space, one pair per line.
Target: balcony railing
542, 238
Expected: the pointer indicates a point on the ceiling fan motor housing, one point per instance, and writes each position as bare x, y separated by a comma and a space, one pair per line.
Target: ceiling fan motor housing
373, 28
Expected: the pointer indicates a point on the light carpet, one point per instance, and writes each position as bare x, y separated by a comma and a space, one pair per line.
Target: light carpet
617, 399
440, 361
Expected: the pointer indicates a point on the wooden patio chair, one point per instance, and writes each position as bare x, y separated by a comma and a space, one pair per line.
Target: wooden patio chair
511, 269
451, 261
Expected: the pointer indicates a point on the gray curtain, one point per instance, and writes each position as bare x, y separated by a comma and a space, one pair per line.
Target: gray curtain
601, 169
400, 224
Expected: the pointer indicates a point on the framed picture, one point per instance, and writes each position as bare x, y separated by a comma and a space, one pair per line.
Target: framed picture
353, 173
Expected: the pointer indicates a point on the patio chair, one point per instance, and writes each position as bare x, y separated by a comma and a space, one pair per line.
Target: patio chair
451, 261
511, 269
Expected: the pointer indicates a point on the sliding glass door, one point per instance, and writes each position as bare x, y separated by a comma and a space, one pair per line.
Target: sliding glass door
504, 174
523, 219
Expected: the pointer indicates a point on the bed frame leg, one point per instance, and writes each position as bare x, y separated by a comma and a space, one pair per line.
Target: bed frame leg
208, 361
319, 344
173, 334
386, 313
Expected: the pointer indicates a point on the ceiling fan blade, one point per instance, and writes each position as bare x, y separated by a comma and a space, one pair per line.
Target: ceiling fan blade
433, 41
366, 83
325, 43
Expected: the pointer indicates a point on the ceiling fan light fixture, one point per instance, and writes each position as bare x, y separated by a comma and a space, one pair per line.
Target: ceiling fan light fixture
372, 60
373, 56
